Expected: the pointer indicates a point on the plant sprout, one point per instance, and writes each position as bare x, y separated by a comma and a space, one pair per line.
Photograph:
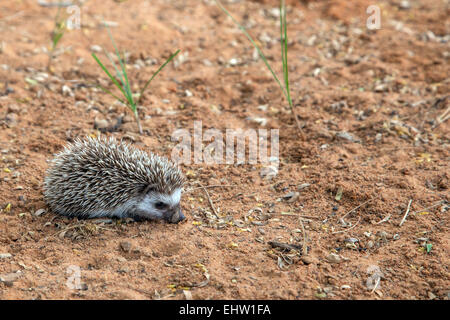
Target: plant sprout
124, 85
57, 33
284, 49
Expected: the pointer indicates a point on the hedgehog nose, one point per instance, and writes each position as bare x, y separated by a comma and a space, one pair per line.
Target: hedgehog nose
181, 216
178, 216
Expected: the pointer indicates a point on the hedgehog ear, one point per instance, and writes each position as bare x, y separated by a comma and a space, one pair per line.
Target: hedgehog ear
149, 188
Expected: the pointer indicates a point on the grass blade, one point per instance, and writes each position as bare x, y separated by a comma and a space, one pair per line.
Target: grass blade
154, 75
261, 54
284, 46
127, 88
109, 74
281, 40
56, 39
122, 76
118, 73
110, 93
284, 57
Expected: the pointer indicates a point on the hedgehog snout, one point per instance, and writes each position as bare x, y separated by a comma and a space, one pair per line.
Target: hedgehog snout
177, 215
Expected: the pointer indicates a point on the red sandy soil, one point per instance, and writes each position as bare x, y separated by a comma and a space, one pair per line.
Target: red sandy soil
372, 106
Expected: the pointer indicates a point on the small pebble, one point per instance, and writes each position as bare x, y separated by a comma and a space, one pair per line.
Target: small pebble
9, 278
96, 48
303, 186
328, 289
127, 119
100, 123
314, 225
258, 223
234, 62
5, 255
39, 212
378, 137
291, 196
258, 120
380, 88
187, 294
84, 287
239, 223
268, 172
383, 235
308, 260
11, 118
347, 136
123, 270
405, 5
66, 91
121, 259
13, 108
334, 258
321, 295
126, 246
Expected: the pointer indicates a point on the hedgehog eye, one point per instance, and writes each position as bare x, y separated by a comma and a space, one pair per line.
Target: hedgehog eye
161, 205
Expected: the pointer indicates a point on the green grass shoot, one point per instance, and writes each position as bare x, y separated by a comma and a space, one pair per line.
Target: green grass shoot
120, 80
56, 35
284, 50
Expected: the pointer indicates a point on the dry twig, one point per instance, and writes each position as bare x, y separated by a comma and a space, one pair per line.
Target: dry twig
356, 208
376, 285
384, 219
406, 213
341, 231
430, 207
284, 246
305, 247
209, 199
213, 186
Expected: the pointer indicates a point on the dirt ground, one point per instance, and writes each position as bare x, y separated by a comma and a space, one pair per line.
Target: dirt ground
374, 145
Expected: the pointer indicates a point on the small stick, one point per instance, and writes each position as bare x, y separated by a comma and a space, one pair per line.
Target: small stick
297, 215
138, 122
384, 219
305, 247
286, 246
400, 148
209, 199
60, 4
357, 207
406, 213
278, 183
213, 186
67, 228
376, 285
444, 116
341, 231
296, 121
434, 205
441, 119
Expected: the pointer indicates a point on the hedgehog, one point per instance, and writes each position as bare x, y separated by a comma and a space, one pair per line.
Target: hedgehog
101, 177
